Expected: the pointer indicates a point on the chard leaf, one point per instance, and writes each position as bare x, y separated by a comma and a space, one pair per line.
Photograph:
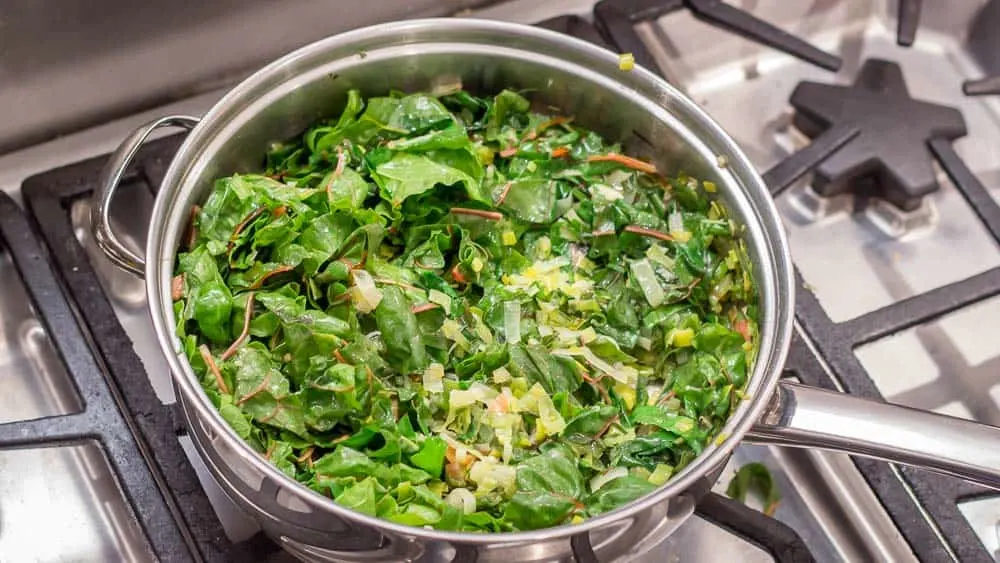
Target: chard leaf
505, 111
534, 510
550, 472
229, 203
453, 136
618, 492
322, 238
532, 200
360, 497
328, 399
213, 304
400, 333
657, 416
235, 417
535, 364
209, 300
589, 421
344, 462
346, 190
755, 478
263, 392
295, 316
282, 455
418, 112
407, 175
430, 458
321, 138
643, 451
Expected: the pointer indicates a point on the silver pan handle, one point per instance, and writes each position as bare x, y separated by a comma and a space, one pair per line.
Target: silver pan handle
810, 417
111, 177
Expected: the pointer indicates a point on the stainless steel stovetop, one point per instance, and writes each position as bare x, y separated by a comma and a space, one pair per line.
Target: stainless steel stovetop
61, 504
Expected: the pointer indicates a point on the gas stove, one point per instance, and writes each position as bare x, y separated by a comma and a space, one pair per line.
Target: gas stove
877, 127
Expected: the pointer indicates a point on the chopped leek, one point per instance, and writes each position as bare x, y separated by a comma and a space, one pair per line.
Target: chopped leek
512, 322
646, 279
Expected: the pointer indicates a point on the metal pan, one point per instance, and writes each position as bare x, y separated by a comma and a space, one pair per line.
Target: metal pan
642, 111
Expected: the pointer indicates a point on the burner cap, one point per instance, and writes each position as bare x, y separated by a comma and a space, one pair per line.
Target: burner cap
889, 158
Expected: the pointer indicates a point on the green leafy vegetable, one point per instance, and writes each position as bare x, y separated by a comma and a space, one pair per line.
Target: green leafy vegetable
400, 333
430, 458
359, 496
618, 492
757, 479
459, 313
408, 175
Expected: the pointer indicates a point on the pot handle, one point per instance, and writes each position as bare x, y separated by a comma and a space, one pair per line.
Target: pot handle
111, 176
810, 417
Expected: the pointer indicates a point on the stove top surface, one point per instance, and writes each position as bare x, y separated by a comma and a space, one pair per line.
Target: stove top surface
855, 255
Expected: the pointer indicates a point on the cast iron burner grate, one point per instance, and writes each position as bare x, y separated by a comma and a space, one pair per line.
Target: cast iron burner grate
889, 158
616, 19
99, 421
577, 27
984, 42
907, 494
178, 521
982, 86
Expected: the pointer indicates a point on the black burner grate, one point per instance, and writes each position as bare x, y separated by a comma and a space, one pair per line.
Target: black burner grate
189, 530
890, 158
984, 43
616, 19
577, 27
982, 86
937, 496
100, 420
908, 18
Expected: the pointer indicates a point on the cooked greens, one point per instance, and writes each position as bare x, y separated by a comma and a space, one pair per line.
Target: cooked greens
755, 478
452, 311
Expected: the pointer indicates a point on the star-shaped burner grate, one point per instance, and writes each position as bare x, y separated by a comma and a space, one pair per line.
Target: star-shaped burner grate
890, 158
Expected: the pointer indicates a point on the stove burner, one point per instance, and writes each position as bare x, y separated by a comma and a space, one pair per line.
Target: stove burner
889, 158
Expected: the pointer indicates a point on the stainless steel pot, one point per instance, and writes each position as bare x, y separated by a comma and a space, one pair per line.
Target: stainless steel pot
652, 119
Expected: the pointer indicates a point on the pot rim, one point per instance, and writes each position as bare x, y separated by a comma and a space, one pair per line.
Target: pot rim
764, 236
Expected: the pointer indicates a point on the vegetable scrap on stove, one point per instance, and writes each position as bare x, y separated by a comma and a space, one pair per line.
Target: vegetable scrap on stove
452, 311
755, 478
